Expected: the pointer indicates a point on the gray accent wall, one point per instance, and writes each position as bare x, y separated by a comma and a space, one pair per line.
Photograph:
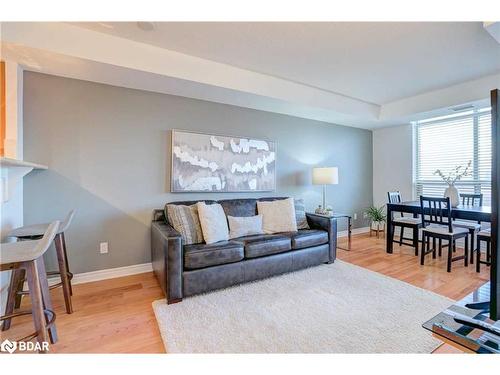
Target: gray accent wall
108, 152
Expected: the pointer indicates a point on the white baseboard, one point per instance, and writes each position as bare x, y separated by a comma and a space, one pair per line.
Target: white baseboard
109, 273
112, 273
344, 233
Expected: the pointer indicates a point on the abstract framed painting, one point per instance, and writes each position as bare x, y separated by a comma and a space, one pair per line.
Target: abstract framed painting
216, 163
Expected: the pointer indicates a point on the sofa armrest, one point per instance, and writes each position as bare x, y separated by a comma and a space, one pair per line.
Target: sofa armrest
328, 224
167, 259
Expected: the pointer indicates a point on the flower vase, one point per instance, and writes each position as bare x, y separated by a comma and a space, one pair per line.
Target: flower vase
452, 193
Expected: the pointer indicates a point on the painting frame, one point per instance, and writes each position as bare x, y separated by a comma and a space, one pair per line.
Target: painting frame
173, 188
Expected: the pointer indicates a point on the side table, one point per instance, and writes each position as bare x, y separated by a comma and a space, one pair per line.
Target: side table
349, 227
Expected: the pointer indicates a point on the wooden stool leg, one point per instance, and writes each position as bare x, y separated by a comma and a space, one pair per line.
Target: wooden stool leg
20, 285
67, 262
36, 302
61, 260
15, 276
47, 302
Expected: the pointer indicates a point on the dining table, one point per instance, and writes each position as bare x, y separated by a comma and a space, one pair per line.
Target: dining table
462, 212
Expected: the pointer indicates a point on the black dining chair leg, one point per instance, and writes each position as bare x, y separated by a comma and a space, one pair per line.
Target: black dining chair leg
466, 252
422, 252
488, 252
472, 232
393, 233
450, 251
433, 247
415, 239
478, 257
440, 248
401, 235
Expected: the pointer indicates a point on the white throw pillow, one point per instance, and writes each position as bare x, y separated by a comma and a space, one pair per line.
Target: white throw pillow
278, 216
244, 226
213, 222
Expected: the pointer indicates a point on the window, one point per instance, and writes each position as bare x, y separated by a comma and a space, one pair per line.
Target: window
449, 141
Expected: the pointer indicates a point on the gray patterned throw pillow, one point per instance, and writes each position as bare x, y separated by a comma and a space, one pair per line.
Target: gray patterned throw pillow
300, 214
185, 220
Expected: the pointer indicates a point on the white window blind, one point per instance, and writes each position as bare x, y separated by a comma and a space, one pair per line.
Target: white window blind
449, 141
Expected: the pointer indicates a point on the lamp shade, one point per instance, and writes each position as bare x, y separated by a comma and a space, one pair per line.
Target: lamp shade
326, 176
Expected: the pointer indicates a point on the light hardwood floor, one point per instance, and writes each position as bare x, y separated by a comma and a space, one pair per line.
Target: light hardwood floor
115, 316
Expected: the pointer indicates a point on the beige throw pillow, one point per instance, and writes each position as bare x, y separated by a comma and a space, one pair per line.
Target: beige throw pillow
278, 216
213, 222
244, 226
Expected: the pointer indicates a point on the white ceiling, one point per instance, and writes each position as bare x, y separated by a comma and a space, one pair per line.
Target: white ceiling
373, 62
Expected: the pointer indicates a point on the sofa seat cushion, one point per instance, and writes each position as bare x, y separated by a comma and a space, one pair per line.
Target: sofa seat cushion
203, 255
265, 244
308, 238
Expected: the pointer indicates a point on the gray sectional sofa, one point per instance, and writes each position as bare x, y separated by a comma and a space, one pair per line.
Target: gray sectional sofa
185, 270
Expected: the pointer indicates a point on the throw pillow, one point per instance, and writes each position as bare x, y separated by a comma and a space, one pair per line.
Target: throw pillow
300, 214
213, 222
278, 216
244, 226
184, 219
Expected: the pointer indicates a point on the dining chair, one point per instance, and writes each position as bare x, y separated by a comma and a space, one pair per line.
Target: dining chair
438, 225
471, 200
483, 236
412, 223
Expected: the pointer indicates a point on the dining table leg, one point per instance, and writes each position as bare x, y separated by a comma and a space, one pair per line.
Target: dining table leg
389, 231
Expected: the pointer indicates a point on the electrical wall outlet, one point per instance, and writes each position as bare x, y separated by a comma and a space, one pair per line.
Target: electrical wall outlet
103, 247
365, 216
355, 216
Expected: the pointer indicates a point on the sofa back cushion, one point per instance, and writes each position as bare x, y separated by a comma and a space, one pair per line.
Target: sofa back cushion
185, 220
239, 207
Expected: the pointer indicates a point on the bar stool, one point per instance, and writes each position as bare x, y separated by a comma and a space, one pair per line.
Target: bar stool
31, 232
28, 256
484, 235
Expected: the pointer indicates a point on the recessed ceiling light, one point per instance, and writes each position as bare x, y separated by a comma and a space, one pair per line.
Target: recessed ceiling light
146, 26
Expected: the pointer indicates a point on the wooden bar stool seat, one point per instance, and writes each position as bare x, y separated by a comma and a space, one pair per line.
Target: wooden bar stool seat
33, 232
28, 256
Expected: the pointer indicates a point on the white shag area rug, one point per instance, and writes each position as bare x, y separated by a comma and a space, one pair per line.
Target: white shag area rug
336, 308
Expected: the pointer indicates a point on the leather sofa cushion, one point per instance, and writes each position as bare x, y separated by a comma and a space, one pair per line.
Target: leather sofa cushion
265, 244
308, 238
239, 207
203, 255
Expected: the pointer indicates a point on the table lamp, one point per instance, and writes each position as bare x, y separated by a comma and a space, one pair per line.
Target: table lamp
325, 176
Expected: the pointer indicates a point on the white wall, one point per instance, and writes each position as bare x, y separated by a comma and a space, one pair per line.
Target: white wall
392, 163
